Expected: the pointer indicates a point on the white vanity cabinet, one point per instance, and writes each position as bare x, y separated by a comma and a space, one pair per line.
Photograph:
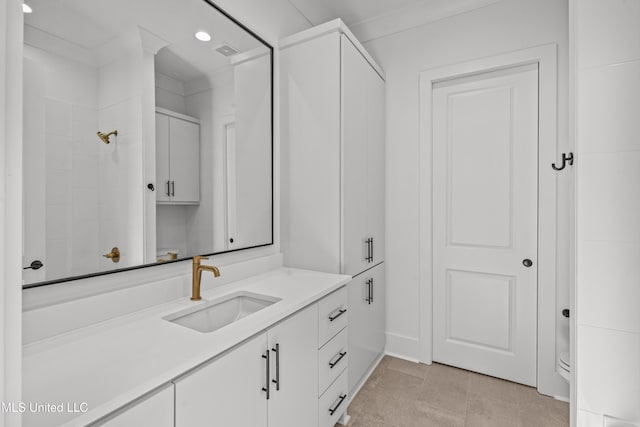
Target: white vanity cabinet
333, 358
226, 391
153, 410
177, 158
333, 169
270, 380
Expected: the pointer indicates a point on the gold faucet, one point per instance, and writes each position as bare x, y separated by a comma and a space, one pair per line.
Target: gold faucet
197, 276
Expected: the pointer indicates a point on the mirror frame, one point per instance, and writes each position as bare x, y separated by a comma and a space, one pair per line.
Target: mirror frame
154, 264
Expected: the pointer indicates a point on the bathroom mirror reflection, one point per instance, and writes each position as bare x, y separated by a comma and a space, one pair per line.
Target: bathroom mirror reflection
147, 136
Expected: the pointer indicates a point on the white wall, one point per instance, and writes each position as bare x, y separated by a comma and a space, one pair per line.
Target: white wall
499, 28
10, 206
170, 93
606, 36
252, 99
211, 103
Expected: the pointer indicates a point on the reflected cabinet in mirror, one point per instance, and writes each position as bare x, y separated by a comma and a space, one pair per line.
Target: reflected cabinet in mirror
147, 136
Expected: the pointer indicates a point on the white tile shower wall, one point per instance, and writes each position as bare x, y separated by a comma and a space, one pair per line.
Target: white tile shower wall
121, 201
607, 40
495, 29
34, 150
64, 91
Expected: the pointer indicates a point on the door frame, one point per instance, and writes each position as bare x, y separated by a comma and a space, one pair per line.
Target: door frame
546, 58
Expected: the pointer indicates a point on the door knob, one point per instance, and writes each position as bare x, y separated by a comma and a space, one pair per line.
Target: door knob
527, 262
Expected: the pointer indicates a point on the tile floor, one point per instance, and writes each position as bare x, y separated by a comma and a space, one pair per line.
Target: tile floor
406, 394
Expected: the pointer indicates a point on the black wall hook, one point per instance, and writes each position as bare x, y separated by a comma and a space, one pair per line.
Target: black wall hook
565, 160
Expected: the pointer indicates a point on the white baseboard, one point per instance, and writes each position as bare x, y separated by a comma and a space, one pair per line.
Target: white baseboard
403, 347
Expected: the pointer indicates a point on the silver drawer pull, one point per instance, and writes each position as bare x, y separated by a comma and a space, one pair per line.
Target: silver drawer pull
340, 356
335, 408
340, 313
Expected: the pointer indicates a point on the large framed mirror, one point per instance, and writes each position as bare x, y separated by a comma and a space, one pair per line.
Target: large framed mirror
148, 136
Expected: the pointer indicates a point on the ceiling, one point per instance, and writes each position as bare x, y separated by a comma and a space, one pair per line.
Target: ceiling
370, 19
92, 24
350, 11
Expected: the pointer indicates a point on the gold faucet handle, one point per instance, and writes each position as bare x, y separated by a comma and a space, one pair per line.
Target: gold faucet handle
198, 258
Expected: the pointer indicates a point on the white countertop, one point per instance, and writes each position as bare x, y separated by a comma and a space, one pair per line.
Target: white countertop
112, 363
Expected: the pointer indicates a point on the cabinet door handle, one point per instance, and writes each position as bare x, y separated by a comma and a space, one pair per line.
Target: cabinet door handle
266, 388
370, 290
369, 298
335, 408
371, 249
340, 356
340, 313
368, 252
168, 188
173, 188
276, 381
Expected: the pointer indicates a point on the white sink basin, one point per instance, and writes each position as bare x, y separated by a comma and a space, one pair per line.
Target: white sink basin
213, 315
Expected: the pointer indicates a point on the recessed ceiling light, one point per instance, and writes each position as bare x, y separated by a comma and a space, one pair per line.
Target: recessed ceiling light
26, 8
203, 36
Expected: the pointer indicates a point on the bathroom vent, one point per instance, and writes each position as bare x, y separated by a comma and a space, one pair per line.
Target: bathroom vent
226, 49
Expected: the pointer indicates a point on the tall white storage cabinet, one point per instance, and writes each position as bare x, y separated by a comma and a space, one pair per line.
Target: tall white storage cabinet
333, 174
177, 158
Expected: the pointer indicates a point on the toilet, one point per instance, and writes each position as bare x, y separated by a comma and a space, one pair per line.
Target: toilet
564, 365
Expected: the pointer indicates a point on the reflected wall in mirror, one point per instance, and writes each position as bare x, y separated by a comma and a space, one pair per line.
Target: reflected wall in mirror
183, 162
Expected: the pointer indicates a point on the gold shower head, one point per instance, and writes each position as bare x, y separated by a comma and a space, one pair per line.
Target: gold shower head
105, 136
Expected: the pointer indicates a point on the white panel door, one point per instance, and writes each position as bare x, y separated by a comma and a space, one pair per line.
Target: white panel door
355, 70
485, 159
184, 149
227, 391
294, 370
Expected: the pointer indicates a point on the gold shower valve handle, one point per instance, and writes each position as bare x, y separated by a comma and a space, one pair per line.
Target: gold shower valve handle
114, 255
104, 137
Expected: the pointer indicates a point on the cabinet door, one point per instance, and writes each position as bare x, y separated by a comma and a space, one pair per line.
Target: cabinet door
375, 163
227, 391
162, 158
184, 153
354, 158
377, 313
294, 371
366, 338
155, 410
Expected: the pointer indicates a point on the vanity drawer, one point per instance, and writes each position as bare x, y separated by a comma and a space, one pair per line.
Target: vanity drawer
332, 359
333, 403
332, 312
